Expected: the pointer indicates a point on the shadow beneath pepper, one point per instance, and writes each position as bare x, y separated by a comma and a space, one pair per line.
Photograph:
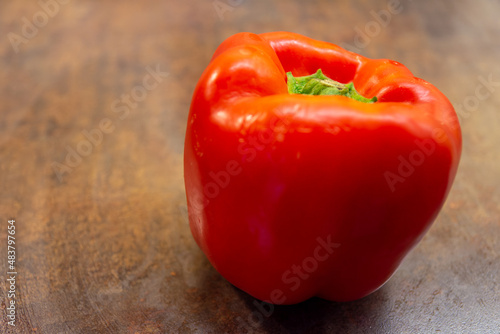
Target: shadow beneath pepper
315, 315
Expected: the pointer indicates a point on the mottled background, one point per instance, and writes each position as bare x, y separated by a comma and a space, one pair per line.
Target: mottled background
103, 243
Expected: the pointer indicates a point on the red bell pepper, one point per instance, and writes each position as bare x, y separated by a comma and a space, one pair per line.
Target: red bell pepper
292, 194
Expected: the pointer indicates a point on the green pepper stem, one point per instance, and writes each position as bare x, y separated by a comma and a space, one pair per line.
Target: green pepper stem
320, 84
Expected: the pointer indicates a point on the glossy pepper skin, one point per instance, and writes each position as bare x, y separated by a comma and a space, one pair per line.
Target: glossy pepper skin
294, 196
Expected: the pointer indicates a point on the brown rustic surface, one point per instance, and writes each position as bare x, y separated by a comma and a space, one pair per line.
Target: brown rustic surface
106, 247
